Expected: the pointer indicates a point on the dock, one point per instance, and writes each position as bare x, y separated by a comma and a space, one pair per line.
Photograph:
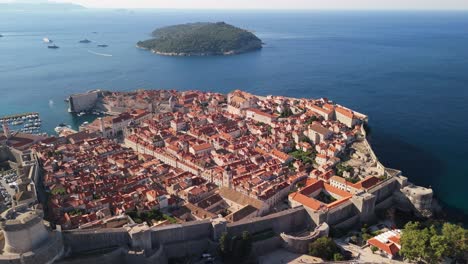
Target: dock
16, 116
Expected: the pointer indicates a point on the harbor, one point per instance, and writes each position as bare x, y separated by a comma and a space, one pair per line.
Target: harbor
29, 123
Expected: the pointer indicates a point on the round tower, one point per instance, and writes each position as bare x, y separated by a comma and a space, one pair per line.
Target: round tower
23, 231
27, 239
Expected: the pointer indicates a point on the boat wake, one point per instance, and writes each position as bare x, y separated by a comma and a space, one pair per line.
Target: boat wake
100, 54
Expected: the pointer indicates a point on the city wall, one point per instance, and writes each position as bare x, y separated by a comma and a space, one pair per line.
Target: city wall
79, 241
171, 241
285, 221
82, 102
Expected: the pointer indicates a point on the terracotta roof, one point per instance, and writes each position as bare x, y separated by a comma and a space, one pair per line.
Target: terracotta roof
345, 112
306, 201
319, 128
239, 198
388, 242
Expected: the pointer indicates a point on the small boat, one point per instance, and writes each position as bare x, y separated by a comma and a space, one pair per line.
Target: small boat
53, 46
103, 45
85, 41
46, 40
81, 114
19, 122
61, 127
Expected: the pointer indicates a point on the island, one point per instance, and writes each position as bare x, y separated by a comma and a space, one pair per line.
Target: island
201, 39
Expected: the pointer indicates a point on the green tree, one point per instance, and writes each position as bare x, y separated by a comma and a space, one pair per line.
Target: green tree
431, 244
439, 246
246, 245
338, 257
374, 249
456, 239
414, 242
324, 248
224, 244
235, 249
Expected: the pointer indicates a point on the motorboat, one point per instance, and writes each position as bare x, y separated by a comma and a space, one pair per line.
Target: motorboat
61, 127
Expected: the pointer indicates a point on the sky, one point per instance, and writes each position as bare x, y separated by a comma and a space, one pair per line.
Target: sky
270, 4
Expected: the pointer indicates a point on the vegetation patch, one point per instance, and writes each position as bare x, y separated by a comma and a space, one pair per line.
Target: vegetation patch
235, 249
432, 242
326, 249
201, 39
156, 215
325, 197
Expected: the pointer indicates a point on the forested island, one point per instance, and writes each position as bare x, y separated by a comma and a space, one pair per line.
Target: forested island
201, 39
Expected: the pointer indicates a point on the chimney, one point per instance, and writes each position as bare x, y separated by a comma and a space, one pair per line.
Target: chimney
6, 129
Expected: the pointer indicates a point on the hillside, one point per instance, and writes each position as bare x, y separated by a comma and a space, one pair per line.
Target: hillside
201, 39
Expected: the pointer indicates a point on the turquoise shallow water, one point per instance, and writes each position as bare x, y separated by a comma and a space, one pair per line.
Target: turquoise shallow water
406, 70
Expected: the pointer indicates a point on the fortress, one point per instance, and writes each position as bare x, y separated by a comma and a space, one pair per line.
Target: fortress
142, 244
325, 204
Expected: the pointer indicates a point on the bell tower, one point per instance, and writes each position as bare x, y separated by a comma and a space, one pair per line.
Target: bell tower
6, 129
227, 177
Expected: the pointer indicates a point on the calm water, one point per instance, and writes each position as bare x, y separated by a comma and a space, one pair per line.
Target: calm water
408, 71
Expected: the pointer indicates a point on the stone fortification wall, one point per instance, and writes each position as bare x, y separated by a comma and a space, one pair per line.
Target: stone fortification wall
116, 256
379, 165
384, 190
387, 203
78, 241
286, 221
189, 248
183, 239
348, 223
82, 102
180, 232
48, 253
300, 244
5, 154
341, 213
263, 247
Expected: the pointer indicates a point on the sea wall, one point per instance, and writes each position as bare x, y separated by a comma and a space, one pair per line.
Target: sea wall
82, 102
384, 190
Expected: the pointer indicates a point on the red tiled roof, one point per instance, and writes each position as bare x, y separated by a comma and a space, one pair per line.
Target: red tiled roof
345, 112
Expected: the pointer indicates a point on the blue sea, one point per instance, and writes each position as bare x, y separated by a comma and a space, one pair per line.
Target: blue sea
407, 70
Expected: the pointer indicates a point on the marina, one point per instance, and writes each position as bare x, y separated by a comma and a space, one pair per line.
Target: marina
25, 123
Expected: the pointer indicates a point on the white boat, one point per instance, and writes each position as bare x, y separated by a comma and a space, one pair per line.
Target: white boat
61, 127
15, 123
46, 40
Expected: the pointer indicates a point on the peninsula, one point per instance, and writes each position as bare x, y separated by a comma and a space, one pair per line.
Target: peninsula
201, 39
169, 175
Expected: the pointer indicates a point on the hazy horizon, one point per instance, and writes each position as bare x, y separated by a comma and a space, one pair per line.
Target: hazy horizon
265, 4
